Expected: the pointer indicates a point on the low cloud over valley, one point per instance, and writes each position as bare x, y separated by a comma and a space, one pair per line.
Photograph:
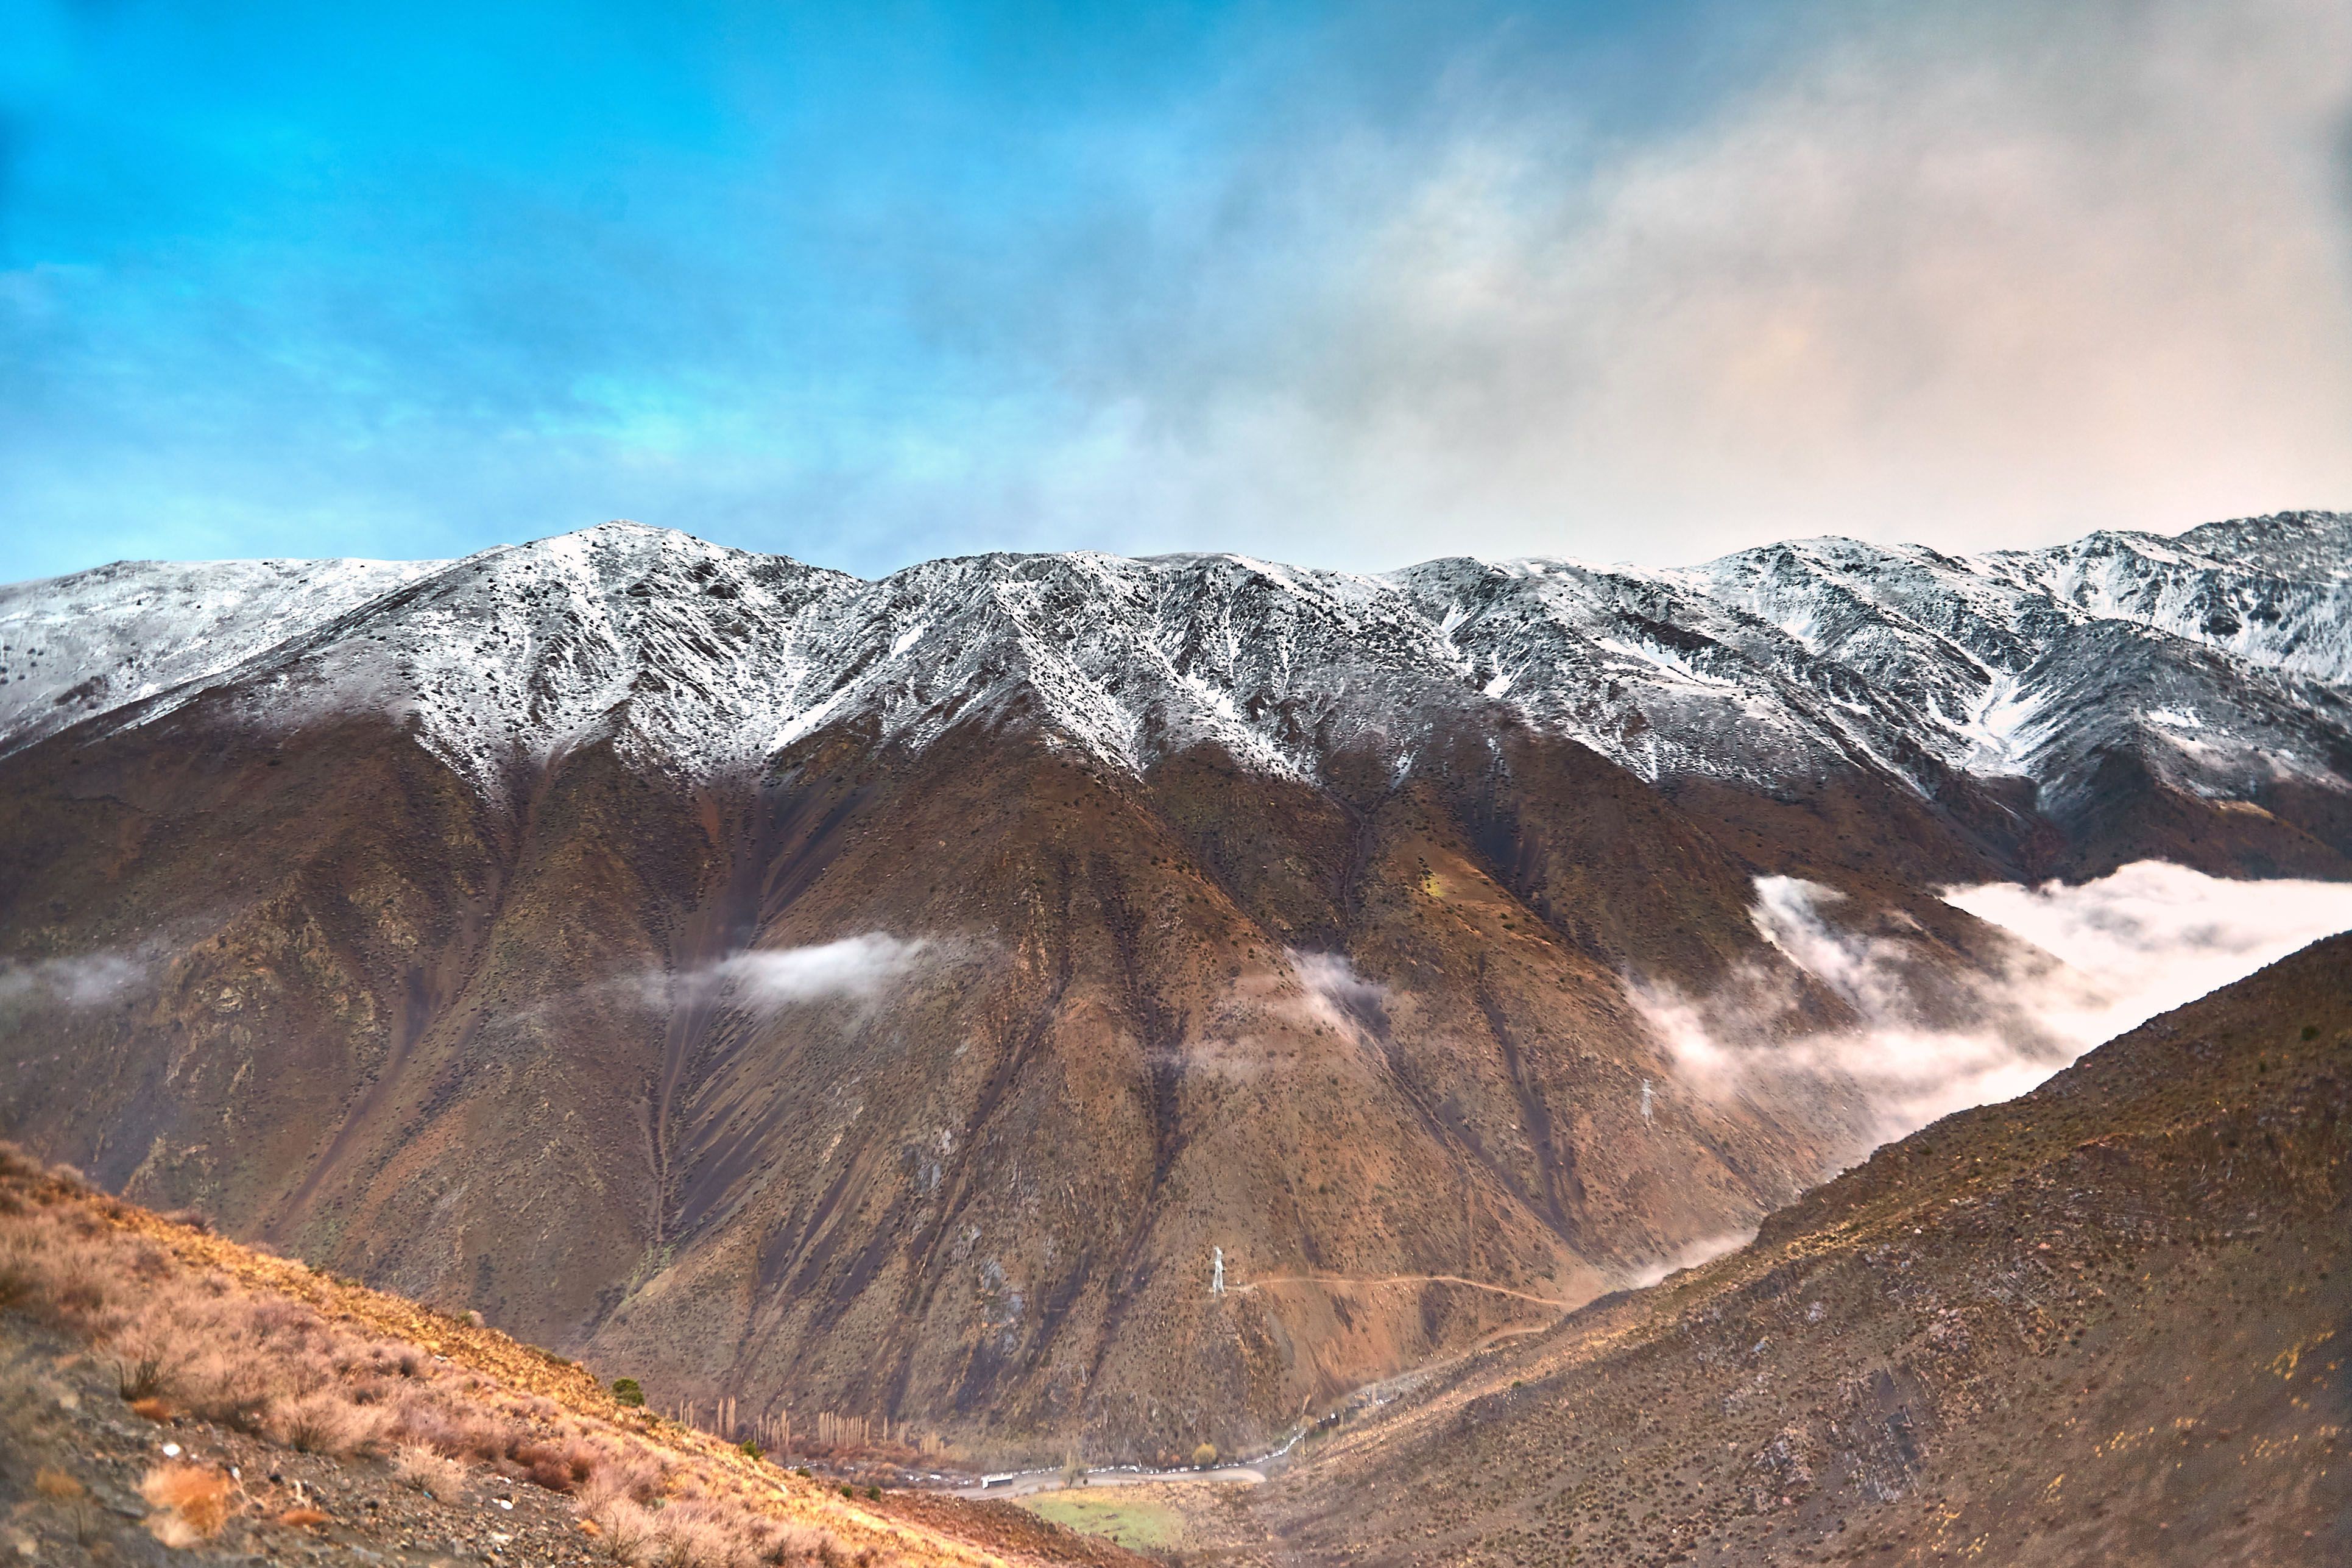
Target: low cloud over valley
2105, 956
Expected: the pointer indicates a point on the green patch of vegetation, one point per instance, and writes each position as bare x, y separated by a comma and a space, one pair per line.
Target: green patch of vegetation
1133, 1523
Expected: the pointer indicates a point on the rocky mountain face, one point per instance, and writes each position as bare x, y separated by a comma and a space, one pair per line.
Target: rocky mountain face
884, 996
2215, 661
2100, 1324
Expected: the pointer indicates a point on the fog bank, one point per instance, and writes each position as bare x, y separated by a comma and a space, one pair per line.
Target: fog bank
2105, 957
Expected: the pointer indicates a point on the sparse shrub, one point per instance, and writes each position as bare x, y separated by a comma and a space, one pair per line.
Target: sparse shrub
628, 1529
787, 1544
620, 1472
711, 1534
557, 1467
873, 1494
396, 1361
75, 1291
147, 1264
458, 1433
322, 1422
138, 1373
750, 1448
1206, 1454
18, 1282
193, 1501
428, 1471
627, 1391
230, 1388
71, 1497
697, 1541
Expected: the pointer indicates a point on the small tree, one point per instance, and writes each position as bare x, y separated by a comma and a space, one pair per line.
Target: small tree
627, 1391
751, 1449
1204, 1456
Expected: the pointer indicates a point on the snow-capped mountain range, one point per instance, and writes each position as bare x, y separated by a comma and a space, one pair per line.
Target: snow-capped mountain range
2223, 654
1155, 909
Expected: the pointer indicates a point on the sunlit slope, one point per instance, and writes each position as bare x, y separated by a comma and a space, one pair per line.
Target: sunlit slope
213, 1360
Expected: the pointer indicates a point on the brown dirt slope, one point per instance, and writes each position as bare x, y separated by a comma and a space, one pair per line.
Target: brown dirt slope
169, 1392
2105, 1322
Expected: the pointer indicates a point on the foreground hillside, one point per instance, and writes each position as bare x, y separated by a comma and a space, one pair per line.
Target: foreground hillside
889, 997
168, 1393
2103, 1323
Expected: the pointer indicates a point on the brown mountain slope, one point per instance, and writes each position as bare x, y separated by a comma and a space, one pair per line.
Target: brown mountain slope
171, 1396
478, 1051
888, 998
2104, 1323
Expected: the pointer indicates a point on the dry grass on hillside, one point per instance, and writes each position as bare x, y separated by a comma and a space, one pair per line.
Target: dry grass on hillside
191, 1326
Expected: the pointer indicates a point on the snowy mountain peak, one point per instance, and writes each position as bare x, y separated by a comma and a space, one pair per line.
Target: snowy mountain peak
2223, 654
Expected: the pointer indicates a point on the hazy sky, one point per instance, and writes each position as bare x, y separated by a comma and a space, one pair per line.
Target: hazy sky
1353, 284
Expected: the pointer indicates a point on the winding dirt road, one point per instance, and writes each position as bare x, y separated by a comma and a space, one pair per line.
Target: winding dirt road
1398, 1279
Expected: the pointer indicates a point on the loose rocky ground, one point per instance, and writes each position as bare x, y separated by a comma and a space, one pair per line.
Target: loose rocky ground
67, 1419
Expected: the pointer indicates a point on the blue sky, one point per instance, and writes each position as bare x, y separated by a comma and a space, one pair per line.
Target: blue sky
1352, 284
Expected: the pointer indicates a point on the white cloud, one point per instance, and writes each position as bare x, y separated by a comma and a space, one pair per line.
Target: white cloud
1336, 995
860, 968
87, 980
1706, 1249
1973, 274
2153, 937
2143, 941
